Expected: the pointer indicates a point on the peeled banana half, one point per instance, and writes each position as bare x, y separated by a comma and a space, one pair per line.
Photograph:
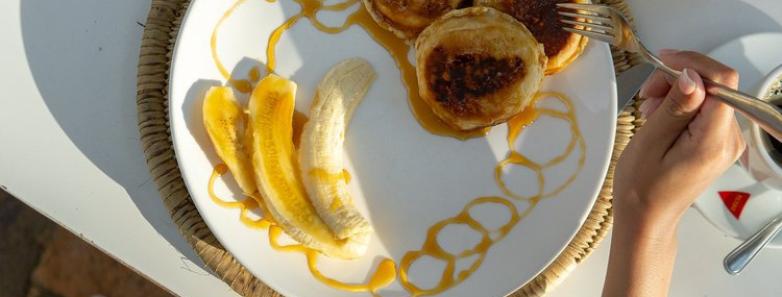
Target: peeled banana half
277, 172
321, 149
226, 124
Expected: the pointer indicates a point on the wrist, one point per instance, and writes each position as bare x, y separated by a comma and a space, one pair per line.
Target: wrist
639, 220
646, 232
643, 250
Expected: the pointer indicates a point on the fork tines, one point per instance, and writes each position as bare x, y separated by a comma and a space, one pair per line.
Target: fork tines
587, 19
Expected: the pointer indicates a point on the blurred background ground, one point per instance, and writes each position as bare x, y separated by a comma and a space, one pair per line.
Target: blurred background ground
38, 258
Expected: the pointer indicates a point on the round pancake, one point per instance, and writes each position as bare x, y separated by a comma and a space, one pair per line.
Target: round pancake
478, 67
541, 18
407, 18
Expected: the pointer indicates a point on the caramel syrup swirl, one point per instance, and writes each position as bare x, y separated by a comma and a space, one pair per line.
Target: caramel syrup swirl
450, 277
516, 125
386, 272
249, 202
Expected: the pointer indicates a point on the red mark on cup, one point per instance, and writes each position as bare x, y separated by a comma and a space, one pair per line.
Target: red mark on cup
734, 201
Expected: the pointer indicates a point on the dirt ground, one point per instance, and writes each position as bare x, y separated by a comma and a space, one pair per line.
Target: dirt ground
41, 259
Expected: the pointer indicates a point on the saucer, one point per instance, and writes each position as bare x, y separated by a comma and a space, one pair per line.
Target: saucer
736, 203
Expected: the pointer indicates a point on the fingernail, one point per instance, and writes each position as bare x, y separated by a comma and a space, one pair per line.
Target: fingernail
687, 82
668, 51
644, 108
643, 91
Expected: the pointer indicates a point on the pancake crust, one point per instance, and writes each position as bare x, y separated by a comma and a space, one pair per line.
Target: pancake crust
407, 18
541, 18
478, 67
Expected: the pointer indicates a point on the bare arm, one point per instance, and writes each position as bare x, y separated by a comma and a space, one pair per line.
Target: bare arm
641, 259
689, 139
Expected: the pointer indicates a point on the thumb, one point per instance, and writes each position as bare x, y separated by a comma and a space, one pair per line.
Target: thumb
677, 109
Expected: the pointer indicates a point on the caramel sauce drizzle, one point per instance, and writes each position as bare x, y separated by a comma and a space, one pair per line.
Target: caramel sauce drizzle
254, 75
386, 271
517, 124
332, 178
244, 205
450, 277
396, 47
384, 274
241, 85
398, 50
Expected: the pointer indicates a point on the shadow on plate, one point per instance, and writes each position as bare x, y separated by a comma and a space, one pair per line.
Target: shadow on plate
191, 108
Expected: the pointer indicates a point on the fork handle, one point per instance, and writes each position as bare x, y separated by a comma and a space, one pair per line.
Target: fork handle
740, 257
765, 114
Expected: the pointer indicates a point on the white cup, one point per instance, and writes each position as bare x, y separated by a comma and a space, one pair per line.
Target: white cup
757, 160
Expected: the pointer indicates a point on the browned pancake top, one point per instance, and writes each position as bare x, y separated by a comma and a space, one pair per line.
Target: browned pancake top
427, 8
459, 78
541, 18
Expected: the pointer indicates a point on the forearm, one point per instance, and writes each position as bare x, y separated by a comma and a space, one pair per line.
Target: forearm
642, 256
665, 167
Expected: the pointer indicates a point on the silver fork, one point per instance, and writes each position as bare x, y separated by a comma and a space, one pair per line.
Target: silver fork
607, 24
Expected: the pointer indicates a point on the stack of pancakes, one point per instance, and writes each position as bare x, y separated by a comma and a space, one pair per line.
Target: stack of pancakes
480, 63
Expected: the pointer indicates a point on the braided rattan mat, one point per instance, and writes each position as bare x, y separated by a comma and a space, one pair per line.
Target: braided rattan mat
160, 33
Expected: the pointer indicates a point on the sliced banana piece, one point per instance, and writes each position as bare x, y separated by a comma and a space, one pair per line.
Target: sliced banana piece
320, 154
226, 124
273, 157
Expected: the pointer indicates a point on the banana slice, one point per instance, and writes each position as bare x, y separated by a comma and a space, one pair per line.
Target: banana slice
271, 116
226, 124
320, 155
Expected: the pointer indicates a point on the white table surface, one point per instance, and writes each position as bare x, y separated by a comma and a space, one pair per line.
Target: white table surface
69, 147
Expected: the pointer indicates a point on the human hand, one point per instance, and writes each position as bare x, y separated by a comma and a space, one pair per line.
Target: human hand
689, 139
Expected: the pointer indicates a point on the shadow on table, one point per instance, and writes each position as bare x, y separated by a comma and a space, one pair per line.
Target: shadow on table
83, 57
737, 18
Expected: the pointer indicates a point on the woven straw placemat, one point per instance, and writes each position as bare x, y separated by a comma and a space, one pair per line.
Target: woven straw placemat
157, 44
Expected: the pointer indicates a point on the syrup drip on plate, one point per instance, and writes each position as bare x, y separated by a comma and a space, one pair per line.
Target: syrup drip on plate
384, 274
516, 126
386, 271
249, 202
396, 47
450, 277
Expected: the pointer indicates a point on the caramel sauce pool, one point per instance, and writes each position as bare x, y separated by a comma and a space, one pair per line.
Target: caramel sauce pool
396, 47
398, 50
386, 272
331, 178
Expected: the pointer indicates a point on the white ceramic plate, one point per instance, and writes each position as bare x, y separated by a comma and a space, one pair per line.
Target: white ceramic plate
753, 56
405, 179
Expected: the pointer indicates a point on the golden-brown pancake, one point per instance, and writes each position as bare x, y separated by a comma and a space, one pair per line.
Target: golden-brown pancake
541, 18
407, 18
478, 67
